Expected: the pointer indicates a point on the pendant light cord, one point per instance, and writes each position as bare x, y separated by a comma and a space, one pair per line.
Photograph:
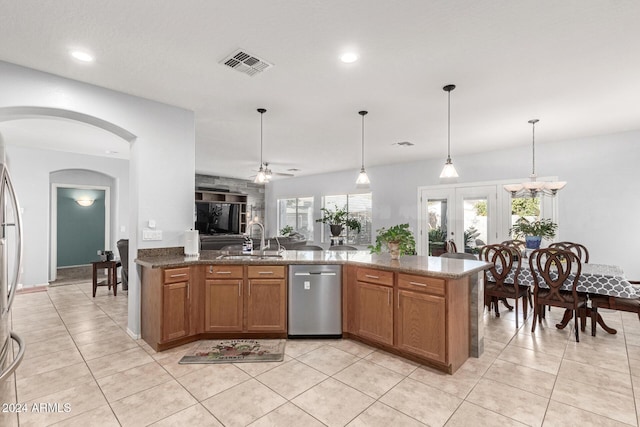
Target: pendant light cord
261, 114
533, 145
363, 141
449, 126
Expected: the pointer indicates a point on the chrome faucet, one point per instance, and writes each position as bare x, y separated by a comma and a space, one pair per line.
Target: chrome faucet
251, 224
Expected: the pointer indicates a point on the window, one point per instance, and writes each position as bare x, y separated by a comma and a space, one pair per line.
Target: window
298, 214
359, 207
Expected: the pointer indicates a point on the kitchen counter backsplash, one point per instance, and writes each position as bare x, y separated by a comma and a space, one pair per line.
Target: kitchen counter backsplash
448, 268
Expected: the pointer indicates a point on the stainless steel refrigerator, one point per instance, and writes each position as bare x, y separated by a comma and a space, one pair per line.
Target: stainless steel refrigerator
10, 268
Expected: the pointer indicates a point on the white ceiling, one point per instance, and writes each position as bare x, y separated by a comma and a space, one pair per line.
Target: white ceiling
573, 64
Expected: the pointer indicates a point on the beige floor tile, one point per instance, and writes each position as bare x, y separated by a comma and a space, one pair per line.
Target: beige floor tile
291, 379
104, 348
353, 347
520, 405
118, 362
102, 417
605, 379
89, 325
134, 380
602, 357
522, 377
634, 366
459, 384
328, 360
295, 348
553, 344
152, 405
170, 363
619, 406
8, 418
411, 396
255, 369
49, 362
243, 404
392, 362
469, 414
532, 359
35, 386
562, 415
46, 347
381, 415
369, 378
70, 402
333, 403
213, 379
633, 352
37, 335
105, 332
37, 321
287, 415
195, 415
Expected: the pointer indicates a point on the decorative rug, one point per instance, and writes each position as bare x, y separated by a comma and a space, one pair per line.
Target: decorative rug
235, 351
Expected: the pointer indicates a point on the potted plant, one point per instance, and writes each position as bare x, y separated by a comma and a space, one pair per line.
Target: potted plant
437, 237
286, 230
398, 240
534, 231
337, 219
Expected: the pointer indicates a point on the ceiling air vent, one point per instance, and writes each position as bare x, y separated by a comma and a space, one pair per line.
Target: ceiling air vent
246, 63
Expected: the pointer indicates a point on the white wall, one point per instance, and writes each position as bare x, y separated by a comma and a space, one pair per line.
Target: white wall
599, 207
162, 155
30, 170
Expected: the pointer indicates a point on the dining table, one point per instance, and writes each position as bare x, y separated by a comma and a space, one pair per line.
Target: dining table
594, 279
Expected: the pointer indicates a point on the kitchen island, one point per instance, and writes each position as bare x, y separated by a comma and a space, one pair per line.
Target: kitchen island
428, 309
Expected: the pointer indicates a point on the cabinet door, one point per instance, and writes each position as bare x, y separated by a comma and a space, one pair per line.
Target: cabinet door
375, 312
223, 305
421, 325
175, 310
266, 305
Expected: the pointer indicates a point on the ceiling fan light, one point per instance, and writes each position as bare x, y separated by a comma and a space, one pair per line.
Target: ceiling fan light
533, 185
513, 188
555, 186
261, 177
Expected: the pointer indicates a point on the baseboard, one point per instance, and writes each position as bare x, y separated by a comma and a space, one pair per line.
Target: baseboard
20, 289
132, 335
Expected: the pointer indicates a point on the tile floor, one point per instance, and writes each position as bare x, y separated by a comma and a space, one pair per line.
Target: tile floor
79, 354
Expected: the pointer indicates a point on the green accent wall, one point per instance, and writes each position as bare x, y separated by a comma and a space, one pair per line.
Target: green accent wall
80, 229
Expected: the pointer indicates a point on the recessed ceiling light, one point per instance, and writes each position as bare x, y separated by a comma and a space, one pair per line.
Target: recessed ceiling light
349, 57
82, 56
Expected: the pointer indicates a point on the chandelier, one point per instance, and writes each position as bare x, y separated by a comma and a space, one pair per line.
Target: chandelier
534, 188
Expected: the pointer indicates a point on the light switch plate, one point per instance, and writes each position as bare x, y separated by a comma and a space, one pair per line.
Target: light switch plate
151, 234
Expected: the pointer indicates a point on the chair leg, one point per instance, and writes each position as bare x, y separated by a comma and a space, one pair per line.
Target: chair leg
594, 318
535, 316
575, 321
524, 306
530, 298
495, 305
516, 305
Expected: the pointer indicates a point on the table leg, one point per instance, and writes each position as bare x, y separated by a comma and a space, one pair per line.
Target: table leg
506, 304
568, 315
114, 277
95, 280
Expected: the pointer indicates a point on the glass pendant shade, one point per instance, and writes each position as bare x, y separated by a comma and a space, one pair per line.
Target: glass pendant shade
363, 178
449, 171
261, 177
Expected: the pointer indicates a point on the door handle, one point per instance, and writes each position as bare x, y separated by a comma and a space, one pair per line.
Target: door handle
418, 284
371, 276
178, 275
17, 359
223, 272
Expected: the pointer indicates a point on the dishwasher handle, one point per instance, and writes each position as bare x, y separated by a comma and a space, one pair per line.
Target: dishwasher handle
315, 273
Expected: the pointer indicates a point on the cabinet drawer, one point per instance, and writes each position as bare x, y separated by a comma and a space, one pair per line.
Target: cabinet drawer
224, 271
174, 275
379, 277
265, 271
421, 283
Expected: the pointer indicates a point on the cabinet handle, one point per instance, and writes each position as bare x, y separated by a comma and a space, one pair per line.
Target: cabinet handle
398, 299
418, 284
388, 296
188, 291
179, 275
249, 287
239, 289
223, 272
211, 269
265, 272
371, 276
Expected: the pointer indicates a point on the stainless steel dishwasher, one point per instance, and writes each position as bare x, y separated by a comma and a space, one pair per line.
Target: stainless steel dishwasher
315, 301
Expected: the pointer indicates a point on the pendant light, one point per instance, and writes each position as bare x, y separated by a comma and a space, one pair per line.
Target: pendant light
449, 171
261, 177
533, 187
363, 179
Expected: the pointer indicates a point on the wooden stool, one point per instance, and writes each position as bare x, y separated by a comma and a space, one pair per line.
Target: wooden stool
112, 275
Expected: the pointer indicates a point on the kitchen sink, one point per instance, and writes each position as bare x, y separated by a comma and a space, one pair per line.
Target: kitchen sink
249, 257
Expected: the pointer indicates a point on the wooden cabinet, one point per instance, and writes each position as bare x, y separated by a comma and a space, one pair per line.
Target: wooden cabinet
421, 327
175, 310
374, 305
224, 303
251, 302
266, 299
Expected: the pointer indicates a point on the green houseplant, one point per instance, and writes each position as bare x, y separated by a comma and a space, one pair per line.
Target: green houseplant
398, 240
337, 219
534, 231
286, 230
437, 237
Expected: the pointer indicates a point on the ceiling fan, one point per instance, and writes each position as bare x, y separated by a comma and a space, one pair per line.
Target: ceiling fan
269, 173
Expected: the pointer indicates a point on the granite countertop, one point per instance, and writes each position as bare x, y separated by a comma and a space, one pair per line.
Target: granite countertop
446, 268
